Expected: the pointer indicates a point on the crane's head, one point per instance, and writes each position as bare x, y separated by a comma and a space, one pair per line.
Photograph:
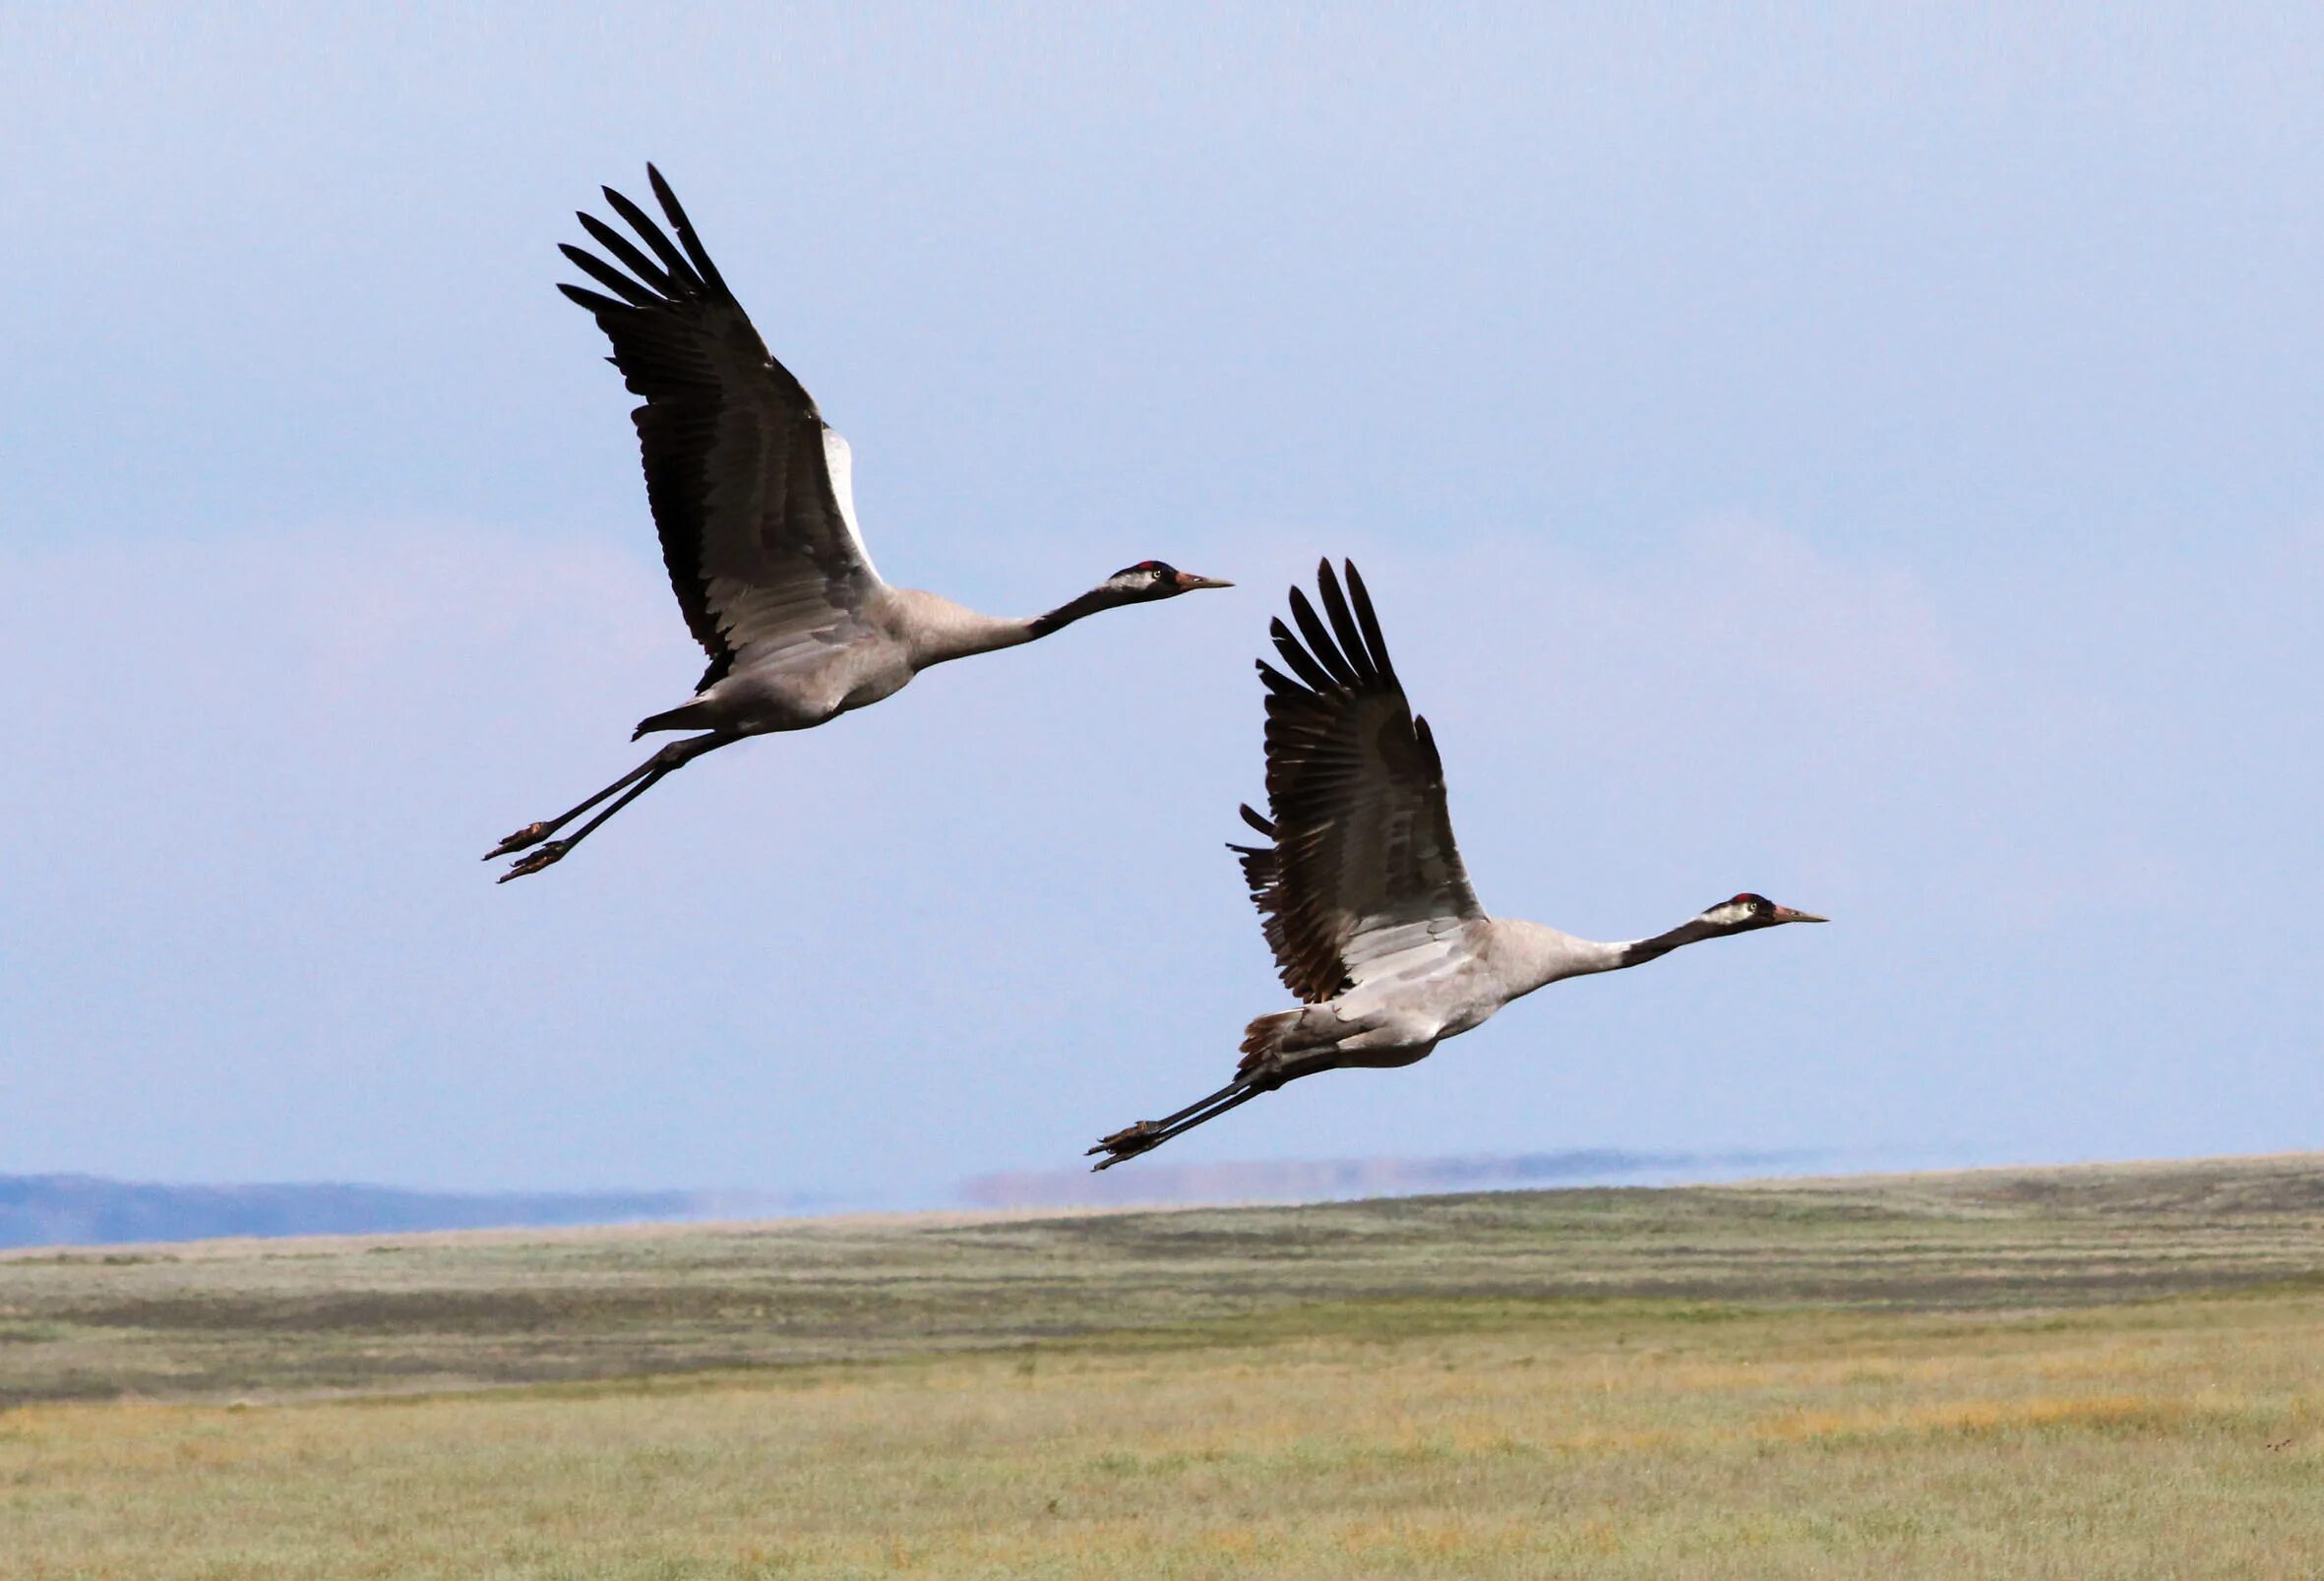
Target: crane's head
1142, 584
1150, 579
1747, 911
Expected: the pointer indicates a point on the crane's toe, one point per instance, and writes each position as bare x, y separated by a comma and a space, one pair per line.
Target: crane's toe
1127, 1142
529, 834
547, 856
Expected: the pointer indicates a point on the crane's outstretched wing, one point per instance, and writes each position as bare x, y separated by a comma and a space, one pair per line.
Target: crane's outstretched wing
750, 488
1361, 866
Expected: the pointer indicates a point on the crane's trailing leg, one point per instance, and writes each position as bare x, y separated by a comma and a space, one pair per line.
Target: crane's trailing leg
1148, 1134
533, 833
632, 785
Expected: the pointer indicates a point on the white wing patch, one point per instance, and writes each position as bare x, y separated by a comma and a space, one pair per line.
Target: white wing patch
839, 461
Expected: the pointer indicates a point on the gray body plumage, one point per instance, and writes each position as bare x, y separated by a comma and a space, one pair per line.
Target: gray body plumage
833, 662
1409, 999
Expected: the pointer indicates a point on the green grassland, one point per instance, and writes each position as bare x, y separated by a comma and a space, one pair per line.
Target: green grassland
2071, 1372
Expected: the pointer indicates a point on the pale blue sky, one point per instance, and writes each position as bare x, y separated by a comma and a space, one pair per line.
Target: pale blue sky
1870, 459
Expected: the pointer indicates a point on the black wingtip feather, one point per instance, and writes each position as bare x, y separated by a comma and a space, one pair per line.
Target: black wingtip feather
655, 237
592, 301
605, 275
1369, 620
1320, 642
1343, 626
626, 253
685, 228
1278, 683
1257, 822
1302, 663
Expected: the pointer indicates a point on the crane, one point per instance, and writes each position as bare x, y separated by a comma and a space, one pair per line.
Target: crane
1361, 891
753, 495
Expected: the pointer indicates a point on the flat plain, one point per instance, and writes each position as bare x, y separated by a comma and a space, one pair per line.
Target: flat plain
2109, 1371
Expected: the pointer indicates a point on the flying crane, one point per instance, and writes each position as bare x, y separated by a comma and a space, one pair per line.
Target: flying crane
1361, 891
753, 496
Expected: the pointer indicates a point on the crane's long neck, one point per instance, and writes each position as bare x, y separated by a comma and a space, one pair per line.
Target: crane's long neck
1103, 596
1694, 931
1528, 955
941, 629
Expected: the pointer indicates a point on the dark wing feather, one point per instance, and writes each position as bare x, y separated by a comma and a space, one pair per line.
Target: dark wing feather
756, 532
1361, 862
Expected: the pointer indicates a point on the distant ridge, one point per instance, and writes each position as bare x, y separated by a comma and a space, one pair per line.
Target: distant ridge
86, 1210
1287, 1181
49, 1210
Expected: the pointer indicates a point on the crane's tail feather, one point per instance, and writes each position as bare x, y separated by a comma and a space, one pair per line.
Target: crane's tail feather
1268, 1039
686, 717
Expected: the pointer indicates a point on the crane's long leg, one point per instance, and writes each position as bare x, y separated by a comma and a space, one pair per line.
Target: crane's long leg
1148, 1134
1227, 1091
635, 783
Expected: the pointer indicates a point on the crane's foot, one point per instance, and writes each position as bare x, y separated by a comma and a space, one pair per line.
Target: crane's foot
548, 855
530, 834
1127, 1142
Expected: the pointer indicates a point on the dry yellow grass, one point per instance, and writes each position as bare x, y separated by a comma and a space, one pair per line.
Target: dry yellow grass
1323, 1434
2183, 1438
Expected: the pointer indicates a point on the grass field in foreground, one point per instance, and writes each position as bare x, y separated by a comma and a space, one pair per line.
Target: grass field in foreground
2114, 1371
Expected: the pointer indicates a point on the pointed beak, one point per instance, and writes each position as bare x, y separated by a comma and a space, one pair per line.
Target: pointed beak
1787, 914
1188, 582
